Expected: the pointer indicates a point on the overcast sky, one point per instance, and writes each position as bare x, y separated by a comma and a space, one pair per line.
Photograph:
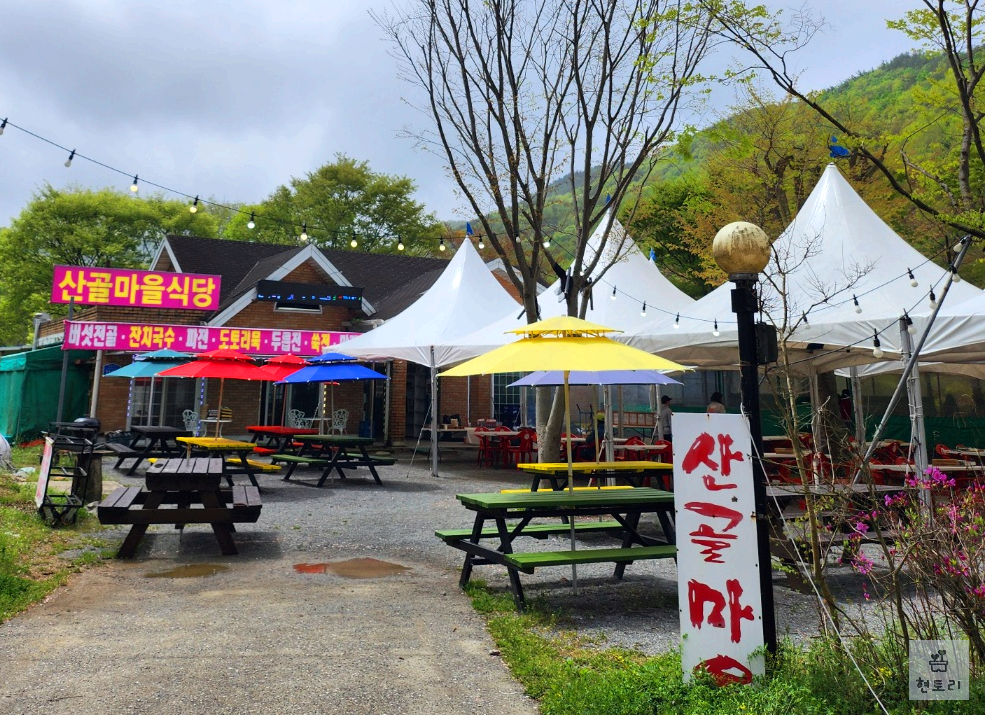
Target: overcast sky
231, 99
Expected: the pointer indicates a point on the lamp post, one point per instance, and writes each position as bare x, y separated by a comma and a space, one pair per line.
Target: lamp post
742, 250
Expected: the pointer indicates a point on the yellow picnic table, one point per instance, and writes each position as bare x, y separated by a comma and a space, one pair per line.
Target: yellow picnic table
234, 452
635, 472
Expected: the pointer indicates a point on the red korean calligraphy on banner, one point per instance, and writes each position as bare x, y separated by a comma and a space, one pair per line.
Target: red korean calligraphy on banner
129, 287
717, 562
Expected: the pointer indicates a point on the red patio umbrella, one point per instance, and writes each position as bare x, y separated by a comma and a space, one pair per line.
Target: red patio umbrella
221, 364
280, 367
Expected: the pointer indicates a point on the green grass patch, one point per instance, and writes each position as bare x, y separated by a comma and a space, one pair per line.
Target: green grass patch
573, 675
31, 561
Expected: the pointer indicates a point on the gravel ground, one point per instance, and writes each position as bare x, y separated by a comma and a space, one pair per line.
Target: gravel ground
261, 637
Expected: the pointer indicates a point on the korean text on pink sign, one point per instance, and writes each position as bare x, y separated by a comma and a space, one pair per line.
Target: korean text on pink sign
128, 287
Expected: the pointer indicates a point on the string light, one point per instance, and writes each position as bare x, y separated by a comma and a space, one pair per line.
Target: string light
613, 296
908, 321
677, 322
715, 331
194, 207
547, 243
441, 244
481, 243
353, 243
858, 308
3, 125
643, 312
803, 316
304, 232
68, 162
933, 299
252, 222
400, 245
876, 349
954, 274
133, 187
913, 280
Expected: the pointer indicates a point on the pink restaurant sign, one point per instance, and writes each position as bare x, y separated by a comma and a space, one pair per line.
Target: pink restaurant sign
129, 337
127, 287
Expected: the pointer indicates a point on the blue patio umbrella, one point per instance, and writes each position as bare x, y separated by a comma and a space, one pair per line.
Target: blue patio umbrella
596, 377
332, 370
149, 365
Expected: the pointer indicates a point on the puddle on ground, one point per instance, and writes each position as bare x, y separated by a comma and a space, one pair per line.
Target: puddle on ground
354, 568
189, 571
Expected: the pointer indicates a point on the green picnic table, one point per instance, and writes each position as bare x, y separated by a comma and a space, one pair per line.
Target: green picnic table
333, 453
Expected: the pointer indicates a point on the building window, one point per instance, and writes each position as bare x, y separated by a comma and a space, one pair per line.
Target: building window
296, 308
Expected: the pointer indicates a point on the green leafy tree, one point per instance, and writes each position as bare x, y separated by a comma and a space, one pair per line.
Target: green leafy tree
80, 227
339, 202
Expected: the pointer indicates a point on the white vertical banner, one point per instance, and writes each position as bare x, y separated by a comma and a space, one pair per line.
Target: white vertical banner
721, 603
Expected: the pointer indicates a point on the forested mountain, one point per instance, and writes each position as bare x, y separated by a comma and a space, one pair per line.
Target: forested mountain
761, 161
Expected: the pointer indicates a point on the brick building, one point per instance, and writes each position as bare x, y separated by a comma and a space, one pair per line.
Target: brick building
390, 410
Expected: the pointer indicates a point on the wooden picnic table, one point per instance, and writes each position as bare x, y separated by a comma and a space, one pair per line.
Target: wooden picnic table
278, 437
512, 514
333, 453
635, 472
148, 442
193, 486
234, 453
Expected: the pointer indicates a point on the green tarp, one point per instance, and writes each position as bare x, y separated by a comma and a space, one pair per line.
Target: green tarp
29, 385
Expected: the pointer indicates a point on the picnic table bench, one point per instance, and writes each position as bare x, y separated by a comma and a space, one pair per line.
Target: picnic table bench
511, 515
148, 442
333, 453
193, 487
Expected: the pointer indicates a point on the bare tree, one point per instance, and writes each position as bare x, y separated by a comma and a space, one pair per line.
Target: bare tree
528, 100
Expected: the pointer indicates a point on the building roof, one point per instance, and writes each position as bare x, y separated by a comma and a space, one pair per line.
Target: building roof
389, 282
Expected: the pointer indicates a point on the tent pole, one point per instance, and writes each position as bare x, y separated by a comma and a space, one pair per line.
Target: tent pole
95, 383
857, 407
434, 416
468, 398
622, 415
918, 439
386, 403
61, 387
130, 405
150, 401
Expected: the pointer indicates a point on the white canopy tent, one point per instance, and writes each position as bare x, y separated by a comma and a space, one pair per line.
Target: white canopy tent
623, 267
836, 251
466, 295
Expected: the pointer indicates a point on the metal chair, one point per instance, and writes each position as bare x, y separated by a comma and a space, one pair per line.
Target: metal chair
296, 418
339, 420
190, 418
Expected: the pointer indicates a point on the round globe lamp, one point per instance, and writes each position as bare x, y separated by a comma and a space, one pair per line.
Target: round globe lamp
741, 248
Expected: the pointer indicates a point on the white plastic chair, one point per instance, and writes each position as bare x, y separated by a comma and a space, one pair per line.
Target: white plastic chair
339, 420
296, 418
192, 424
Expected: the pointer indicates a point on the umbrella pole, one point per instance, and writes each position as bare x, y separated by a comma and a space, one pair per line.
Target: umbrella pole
571, 476
283, 406
218, 414
331, 415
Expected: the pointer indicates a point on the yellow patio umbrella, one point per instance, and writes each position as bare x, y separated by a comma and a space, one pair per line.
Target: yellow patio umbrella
563, 343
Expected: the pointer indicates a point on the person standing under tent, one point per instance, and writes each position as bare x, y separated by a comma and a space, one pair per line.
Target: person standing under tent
715, 407
665, 416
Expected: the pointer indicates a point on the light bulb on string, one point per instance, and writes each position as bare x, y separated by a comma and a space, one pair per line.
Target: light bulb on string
194, 207
643, 312
677, 322
547, 243
803, 316
441, 244
304, 232
858, 308
913, 280
353, 243
68, 162
715, 331
400, 245
955, 277
3, 125
876, 349
133, 187
252, 222
933, 299
482, 244
908, 321
613, 296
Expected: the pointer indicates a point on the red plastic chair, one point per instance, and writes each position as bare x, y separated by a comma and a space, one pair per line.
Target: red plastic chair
522, 449
487, 455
